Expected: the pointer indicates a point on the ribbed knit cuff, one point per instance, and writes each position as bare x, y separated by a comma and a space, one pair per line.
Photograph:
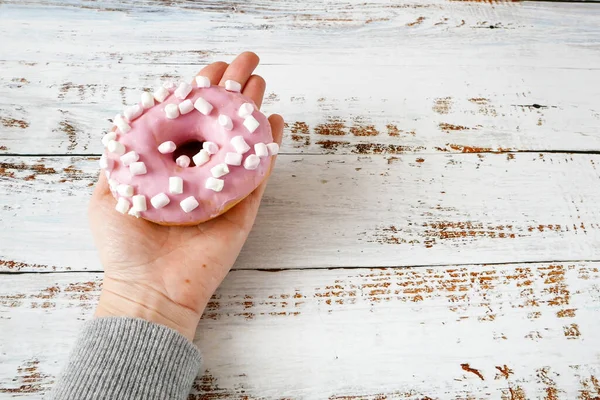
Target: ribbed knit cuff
127, 358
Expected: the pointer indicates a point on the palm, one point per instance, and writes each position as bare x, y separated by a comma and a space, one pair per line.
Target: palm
183, 263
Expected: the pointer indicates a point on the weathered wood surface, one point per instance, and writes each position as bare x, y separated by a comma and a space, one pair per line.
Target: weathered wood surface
379, 98
349, 77
344, 211
477, 332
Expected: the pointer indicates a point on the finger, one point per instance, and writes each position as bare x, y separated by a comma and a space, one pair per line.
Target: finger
255, 89
241, 68
277, 124
102, 188
214, 71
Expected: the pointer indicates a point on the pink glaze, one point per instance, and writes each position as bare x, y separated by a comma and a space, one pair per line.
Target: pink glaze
153, 128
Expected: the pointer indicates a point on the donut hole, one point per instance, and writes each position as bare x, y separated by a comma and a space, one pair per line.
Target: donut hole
189, 149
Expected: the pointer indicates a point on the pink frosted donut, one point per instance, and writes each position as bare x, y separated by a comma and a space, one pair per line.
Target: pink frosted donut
147, 179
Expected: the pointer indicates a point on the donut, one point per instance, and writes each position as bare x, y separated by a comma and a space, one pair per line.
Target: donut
149, 179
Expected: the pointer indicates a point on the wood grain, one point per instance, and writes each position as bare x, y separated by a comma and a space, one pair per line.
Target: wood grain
359, 78
344, 211
519, 331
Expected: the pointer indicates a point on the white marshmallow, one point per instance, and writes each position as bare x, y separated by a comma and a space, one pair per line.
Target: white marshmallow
233, 159
175, 185
167, 147
245, 110
251, 162
125, 190
261, 150
183, 90
129, 158
201, 158
219, 170
189, 204
233, 86
105, 162
225, 122
183, 161
113, 184
214, 184
172, 111
116, 147
169, 85
203, 106
121, 124
202, 81
251, 123
139, 202
108, 137
186, 106
160, 200
122, 205
138, 168
161, 93
210, 147
273, 148
239, 144
133, 112
147, 100
133, 212
107, 173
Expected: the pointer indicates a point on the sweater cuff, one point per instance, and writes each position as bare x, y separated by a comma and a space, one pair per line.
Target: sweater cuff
127, 358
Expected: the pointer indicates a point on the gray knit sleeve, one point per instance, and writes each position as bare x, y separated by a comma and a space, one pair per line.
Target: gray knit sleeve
127, 358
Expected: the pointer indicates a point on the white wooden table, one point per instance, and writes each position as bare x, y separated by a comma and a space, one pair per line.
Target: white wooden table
432, 230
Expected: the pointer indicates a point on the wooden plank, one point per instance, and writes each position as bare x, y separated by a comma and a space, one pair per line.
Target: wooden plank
479, 332
345, 85
344, 211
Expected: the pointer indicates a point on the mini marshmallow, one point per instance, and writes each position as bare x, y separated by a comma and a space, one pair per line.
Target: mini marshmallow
108, 137
201, 158
133, 112
189, 204
233, 86
203, 106
175, 185
107, 173
239, 144
129, 158
273, 148
214, 184
261, 150
202, 81
139, 202
233, 159
219, 170
113, 184
167, 147
211, 147
185, 107
251, 123
116, 147
134, 213
225, 122
122, 205
147, 100
160, 200
121, 124
169, 85
138, 168
245, 110
161, 93
183, 90
125, 190
172, 111
183, 161
105, 162
251, 162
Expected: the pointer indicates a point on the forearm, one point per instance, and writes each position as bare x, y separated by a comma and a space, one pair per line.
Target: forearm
127, 358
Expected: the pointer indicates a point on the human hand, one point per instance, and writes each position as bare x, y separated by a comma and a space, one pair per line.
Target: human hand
167, 274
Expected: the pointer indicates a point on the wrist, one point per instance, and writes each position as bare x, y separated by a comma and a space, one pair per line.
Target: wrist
124, 299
